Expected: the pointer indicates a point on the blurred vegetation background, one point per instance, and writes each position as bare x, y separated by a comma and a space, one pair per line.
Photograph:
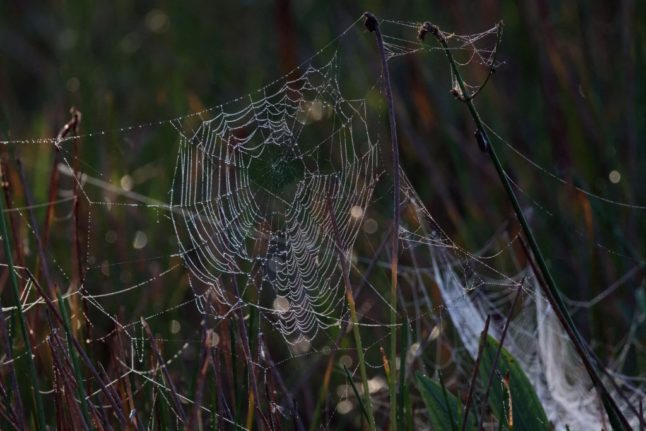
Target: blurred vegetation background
570, 95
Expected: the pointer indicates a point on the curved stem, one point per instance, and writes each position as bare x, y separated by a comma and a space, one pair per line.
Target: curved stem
617, 418
372, 25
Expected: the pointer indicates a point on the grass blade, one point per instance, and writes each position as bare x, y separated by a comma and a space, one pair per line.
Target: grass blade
356, 393
527, 410
36, 396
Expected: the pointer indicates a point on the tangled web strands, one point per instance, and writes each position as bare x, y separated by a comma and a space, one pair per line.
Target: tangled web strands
535, 336
253, 190
257, 186
251, 194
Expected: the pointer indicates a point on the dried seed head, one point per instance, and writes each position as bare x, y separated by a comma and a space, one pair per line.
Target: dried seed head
428, 27
424, 29
370, 22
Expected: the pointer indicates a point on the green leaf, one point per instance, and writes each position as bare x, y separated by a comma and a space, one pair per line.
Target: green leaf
444, 409
526, 410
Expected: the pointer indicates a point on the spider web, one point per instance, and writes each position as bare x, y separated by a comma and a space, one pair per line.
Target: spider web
252, 188
245, 224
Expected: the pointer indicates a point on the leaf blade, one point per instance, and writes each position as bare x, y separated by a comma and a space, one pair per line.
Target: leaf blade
528, 412
444, 409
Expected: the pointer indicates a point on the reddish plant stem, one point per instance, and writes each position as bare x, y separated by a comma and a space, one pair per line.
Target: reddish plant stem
86, 359
71, 127
474, 375
499, 349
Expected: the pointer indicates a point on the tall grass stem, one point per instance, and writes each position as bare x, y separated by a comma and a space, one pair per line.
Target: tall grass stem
617, 418
372, 25
6, 242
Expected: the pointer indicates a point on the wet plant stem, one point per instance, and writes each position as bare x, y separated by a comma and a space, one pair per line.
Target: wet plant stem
372, 25
617, 419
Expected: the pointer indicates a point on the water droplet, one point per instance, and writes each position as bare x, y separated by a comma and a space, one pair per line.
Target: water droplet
281, 304
614, 176
175, 326
126, 183
356, 212
140, 240
344, 407
370, 226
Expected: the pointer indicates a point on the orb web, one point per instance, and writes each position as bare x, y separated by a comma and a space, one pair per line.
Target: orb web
251, 191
